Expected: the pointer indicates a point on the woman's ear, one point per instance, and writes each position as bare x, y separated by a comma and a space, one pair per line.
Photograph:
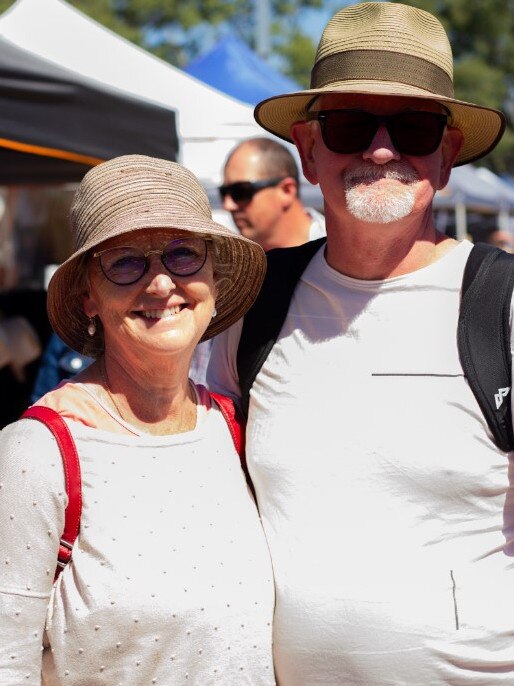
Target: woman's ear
89, 304
89, 308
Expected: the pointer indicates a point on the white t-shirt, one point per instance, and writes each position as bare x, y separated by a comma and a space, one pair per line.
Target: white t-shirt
170, 581
388, 510
317, 228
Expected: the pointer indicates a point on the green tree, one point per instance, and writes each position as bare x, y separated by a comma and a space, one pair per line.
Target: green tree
177, 30
298, 52
481, 33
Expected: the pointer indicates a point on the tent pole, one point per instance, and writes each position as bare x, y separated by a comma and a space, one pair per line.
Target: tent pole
262, 28
503, 219
461, 228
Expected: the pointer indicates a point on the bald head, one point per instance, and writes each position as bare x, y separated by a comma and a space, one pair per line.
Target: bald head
269, 158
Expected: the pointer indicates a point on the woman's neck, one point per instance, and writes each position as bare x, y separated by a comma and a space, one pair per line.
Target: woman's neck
158, 400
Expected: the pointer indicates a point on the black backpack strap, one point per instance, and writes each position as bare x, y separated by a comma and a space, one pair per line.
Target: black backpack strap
262, 323
484, 336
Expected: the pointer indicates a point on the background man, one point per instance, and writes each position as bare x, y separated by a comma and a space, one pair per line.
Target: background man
261, 191
389, 510
501, 239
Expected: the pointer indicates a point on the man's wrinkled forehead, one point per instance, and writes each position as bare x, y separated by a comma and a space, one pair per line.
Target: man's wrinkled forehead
379, 104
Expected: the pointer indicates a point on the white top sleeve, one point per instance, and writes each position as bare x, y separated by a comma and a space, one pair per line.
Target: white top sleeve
512, 353
32, 502
222, 376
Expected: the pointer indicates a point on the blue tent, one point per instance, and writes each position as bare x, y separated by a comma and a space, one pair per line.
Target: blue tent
234, 69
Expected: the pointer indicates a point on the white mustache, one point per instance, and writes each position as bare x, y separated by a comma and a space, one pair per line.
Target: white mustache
398, 171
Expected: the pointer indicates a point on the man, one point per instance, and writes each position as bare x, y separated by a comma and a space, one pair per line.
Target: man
388, 509
261, 191
501, 239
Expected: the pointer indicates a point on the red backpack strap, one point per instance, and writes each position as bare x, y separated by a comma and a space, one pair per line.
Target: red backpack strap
235, 424
71, 464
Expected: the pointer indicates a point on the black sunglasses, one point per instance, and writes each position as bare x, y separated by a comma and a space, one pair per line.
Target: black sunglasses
243, 191
126, 265
351, 131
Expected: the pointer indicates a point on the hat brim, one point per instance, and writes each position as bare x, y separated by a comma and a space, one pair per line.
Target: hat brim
235, 293
482, 127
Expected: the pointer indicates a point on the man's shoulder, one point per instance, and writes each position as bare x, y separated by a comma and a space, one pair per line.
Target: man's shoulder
293, 258
285, 268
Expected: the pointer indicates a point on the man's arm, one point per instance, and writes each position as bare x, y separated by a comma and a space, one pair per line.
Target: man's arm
222, 374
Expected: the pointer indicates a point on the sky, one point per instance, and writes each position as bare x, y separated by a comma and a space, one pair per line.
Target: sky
313, 21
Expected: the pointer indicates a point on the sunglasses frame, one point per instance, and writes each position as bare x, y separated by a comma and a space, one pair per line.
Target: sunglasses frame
382, 119
253, 186
147, 261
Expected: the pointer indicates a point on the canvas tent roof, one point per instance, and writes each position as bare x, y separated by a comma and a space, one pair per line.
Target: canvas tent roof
209, 123
54, 124
464, 186
232, 67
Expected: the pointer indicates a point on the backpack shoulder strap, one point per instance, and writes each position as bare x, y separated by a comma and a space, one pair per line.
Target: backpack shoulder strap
234, 420
236, 426
263, 322
484, 336
72, 478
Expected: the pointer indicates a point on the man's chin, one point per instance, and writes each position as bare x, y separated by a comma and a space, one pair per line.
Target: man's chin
246, 231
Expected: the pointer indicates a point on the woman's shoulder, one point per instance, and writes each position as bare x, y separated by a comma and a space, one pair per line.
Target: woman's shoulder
72, 401
78, 400
29, 451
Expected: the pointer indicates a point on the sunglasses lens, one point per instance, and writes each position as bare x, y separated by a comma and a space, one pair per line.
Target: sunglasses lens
242, 191
352, 131
347, 131
123, 265
185, 256
181, 257
417, 133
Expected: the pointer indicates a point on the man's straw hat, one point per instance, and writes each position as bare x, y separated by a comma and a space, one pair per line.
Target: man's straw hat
385, 48
138, 192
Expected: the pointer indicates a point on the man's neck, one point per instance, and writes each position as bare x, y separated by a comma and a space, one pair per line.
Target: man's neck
293, 229
380, 251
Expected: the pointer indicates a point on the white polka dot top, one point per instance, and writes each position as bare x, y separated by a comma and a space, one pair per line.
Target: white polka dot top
170, 581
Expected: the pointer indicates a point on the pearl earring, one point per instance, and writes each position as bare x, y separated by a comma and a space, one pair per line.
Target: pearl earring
91, 329
214, 313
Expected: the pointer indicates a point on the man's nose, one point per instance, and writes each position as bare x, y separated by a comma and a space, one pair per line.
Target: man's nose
381, 149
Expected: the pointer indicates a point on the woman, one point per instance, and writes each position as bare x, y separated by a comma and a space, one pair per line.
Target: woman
170, 581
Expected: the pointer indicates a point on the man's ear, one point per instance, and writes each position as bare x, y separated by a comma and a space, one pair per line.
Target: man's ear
288, 191
450, 147
302, 135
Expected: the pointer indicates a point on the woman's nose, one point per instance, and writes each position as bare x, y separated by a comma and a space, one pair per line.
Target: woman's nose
161, 281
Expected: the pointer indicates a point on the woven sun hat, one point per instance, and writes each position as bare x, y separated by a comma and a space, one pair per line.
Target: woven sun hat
385, 48
135, 192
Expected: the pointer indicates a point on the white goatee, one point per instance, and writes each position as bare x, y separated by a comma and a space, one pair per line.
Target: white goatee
380, 206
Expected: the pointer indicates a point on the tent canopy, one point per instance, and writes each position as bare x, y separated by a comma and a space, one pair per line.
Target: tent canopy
54, 124
209, 123
233, 68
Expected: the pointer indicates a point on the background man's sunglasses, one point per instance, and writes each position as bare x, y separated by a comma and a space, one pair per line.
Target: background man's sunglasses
126, 265
243, 191
351, 131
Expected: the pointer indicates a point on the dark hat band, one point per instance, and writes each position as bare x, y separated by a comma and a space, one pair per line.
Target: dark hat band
381, 65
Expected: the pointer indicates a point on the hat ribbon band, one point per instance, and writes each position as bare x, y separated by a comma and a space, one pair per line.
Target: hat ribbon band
381, 65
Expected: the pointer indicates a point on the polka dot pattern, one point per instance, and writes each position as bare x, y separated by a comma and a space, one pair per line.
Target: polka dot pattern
170, 581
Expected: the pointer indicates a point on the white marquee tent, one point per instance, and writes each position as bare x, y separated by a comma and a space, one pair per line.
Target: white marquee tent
209, 123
